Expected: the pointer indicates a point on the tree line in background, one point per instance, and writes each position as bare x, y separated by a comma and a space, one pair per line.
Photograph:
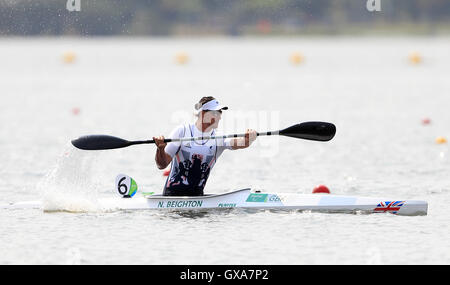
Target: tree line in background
223, 17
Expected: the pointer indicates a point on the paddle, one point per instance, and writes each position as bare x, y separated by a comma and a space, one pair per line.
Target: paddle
316, 131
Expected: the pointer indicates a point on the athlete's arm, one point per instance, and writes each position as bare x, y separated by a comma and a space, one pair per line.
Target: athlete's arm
240, 143
162, 158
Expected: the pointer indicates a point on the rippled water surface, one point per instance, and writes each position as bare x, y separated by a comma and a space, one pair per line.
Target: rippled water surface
134, 89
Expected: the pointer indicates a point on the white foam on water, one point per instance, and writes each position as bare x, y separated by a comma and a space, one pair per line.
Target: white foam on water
70, 186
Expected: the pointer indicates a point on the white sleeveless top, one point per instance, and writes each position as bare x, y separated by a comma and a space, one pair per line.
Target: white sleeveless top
192, 161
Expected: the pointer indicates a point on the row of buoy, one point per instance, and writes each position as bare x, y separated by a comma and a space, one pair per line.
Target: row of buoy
296, 58
438, 140
180, 58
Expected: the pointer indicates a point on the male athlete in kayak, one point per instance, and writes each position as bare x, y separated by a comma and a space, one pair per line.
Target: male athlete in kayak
192, 161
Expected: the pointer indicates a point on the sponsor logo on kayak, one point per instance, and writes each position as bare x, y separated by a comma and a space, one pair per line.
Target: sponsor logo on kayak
262, 198
257, 197
274, 198
181, 204
389, 206
227, 205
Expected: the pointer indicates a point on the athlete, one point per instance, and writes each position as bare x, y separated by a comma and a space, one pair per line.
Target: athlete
192, 161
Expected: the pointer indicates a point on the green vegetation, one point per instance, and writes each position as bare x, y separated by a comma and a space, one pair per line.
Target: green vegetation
222, 17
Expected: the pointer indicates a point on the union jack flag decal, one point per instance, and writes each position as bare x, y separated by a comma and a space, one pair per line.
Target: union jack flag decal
389, 206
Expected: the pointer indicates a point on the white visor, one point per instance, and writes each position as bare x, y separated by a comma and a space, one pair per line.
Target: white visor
212, 105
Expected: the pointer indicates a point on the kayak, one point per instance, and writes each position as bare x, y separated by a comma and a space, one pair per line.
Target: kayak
248, 199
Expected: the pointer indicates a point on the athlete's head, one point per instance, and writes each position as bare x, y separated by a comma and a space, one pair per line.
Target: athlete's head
209, 111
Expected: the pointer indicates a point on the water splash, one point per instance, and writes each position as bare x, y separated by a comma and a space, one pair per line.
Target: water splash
70, 186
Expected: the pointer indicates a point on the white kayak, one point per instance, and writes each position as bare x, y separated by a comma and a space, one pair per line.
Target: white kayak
247, 199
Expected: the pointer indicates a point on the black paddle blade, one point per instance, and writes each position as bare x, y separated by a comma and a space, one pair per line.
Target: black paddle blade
99, 142
316, 131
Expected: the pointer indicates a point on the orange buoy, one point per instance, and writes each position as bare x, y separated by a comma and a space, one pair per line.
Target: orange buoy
181, 58
296, 58
321, 189
69, 57
441, 140
415, 58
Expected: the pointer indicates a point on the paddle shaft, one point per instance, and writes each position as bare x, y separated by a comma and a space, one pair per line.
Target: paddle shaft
204, 138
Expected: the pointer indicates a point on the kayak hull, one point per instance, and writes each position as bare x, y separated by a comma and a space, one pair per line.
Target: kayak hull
247, 199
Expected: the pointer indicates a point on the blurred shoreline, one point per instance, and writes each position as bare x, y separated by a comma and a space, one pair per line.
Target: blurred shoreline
364, 30
165, 18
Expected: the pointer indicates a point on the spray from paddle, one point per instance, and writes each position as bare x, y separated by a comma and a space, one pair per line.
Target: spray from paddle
69, 186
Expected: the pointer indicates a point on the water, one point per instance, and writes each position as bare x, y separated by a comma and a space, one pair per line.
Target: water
135, 90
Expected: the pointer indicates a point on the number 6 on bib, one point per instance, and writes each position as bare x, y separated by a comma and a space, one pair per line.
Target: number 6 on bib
126, 186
